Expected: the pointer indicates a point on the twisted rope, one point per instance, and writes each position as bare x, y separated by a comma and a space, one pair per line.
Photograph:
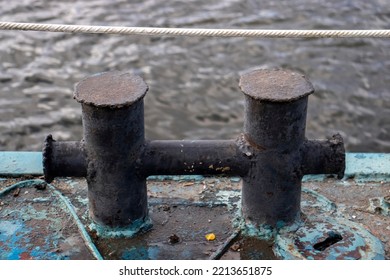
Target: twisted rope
154, 31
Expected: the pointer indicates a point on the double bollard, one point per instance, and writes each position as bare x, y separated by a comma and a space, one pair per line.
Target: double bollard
271, 155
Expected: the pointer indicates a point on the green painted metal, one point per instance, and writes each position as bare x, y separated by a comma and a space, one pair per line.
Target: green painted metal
367, 167
20, 163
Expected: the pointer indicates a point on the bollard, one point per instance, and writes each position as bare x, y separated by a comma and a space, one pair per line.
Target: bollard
274, 127
113, 123
271, 155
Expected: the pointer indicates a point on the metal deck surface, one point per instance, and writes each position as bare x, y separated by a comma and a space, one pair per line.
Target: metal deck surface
36, 220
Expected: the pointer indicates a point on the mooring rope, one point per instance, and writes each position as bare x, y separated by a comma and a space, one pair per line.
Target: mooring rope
155, 31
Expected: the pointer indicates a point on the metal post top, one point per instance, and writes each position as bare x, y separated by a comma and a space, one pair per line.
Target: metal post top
275, 85
114, 89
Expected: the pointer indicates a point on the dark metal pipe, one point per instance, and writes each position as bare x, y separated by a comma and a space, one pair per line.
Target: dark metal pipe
324, 156
63, 159
275, 119
275, 125
202, 157
113, 122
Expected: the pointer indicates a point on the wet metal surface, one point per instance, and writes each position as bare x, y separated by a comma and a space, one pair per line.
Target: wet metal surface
326, 239
34, 224
189, 207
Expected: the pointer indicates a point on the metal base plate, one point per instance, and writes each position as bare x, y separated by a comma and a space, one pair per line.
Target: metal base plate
35, 223
328, 239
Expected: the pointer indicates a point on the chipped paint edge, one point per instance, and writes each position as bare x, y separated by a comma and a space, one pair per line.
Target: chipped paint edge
21, 163
136, 227
285, 248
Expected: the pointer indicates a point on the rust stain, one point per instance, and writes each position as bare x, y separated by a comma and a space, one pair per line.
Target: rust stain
25, 256
253, 144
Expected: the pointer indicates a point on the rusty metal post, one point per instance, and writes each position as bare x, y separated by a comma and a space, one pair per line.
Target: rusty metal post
271, 155
113, 122
274, 128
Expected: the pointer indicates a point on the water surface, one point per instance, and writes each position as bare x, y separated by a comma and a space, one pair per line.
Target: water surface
193, 82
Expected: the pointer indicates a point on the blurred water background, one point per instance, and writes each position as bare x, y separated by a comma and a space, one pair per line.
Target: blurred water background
193, 82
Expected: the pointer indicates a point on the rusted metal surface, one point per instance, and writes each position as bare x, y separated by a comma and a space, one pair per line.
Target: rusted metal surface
271, 155
113, 122
63, 159
189, 207
110, 89
183, 157
276, 85
331, 149
353, 201
339, 208
323, 238
275, 122
189, 212
34, 224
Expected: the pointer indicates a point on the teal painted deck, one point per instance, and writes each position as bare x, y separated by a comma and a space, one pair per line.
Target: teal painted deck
53, 223
20, 163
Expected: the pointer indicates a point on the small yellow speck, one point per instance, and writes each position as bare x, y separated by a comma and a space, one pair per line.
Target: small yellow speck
210, 236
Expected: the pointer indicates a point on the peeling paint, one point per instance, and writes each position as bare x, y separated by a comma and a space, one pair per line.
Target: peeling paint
180, 178
321, 201
368, 167
132, 230
380, 205
356, 244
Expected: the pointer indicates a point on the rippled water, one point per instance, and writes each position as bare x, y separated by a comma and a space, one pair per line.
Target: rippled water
193, 82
